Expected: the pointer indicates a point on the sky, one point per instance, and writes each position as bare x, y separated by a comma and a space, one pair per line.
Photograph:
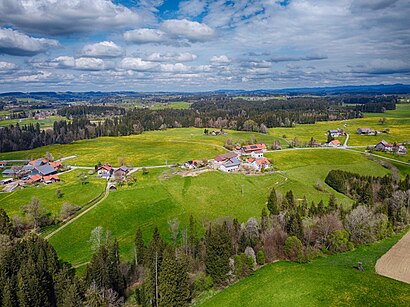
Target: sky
198, 45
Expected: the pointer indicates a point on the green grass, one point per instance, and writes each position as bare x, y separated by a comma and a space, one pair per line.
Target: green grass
147, 149
328, 281
398, 121
74, 193
182, 105
44, 123
210, 196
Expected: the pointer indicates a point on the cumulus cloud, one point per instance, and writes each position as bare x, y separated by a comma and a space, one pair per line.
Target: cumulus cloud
66, 16
137, 64
16, 43
191, 30
192, 8
221, 59
145, 36
177, 57
92, 64
105, 49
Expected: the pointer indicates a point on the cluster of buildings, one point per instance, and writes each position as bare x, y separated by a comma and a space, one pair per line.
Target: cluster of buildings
39, 170
367, 131
249, 156
393, 148
336, 133
106, 171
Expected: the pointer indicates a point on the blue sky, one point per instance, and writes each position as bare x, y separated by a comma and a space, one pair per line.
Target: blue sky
156, 45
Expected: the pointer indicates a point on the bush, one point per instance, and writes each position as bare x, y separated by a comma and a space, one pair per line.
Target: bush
203, 282
294, 249
59, 193
68, 210
260, 257
339, 241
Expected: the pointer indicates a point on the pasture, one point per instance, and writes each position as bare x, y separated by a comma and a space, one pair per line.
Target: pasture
44, 123
158, 198
147, 149
326, 281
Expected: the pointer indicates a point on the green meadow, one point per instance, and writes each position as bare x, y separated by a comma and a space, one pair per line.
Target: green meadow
74, 192
161, 196
147, 149
326, 281
44, 123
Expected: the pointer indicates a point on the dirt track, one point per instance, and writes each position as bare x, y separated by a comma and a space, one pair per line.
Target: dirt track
396, 262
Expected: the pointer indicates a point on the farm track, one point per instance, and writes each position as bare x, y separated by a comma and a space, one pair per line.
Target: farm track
396, 262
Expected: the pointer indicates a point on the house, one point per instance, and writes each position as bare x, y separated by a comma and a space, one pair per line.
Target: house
402, 150
367, 131
57, 165
231, 165
2, 164
121, 172
9, 173
6, 181
33, 179
50, 179
38, 162
248, 149
384, 146
334, 143
225, 157
105, 170
257, 154
43, 170
336, 133
260, 163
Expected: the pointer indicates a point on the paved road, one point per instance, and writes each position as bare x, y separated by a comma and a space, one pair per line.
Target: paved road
346, 140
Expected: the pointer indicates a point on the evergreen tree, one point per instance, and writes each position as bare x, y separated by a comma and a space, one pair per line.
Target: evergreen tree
264, 221
295, 226
218, 253
273, 203
139, 247
6, 227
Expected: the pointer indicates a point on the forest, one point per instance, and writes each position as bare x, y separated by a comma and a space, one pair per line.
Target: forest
175, 269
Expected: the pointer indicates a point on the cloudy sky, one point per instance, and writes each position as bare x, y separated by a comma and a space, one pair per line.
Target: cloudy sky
153, 45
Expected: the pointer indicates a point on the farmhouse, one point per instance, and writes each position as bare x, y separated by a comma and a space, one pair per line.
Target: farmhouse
33, 179
38, 162
259, 163
336, 133
2, 164
334, 143
105, 170
225, 157
257, 154
367, 131
50, 179
121, 172
248, 149
384, 146
231, 165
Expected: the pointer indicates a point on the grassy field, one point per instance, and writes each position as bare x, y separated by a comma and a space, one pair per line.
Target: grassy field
215, 195
328, 281
149, 148
74, 193
398, 121
44, 123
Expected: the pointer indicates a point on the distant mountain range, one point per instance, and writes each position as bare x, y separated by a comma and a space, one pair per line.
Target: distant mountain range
320, 91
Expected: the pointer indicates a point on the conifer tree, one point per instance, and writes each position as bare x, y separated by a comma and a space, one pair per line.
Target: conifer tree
6, 227
272, 204
264, 221
139, 247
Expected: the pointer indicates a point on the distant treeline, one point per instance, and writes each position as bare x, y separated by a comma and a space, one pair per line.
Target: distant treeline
215, 112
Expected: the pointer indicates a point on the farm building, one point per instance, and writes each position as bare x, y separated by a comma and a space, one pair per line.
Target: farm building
121, 172
105, 170
225, 157
384, 146
257, 154
248, 149
367, 131
334, 143
231, 165
9, 173
258, 163
43, 170
2, 164
33, 179
38, 162
50, 179
193, 164
336, 133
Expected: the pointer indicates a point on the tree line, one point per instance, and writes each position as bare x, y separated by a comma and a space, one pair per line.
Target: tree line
173, 270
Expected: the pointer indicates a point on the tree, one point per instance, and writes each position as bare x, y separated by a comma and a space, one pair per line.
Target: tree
49, 156
59, 193
6, 227
218, 252
294, 249
260, 257
35, 212
263, 129
273, 203
68, 210
139, 247
264, 221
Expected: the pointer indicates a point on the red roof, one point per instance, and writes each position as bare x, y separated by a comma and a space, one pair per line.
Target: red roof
34, 178
106, 166
51, 177
250, 160
263, 161
33, 162
335, 142
56, 164
254, 147
225, 156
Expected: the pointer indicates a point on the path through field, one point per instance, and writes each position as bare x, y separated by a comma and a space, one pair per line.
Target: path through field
396, 262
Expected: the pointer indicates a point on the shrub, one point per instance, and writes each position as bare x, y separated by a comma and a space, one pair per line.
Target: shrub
294, 249
260, 257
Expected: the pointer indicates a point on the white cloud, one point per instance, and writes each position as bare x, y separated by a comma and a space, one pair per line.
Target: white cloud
6, 66
105, 49
192, 8
66, 16
221, 59
79, 63
145, 36
175, 68
191, 30
15, 43
137, 64
177, 57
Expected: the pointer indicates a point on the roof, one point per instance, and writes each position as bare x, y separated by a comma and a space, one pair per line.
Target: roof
27, 167
51, 177
106, 166
34, 178
250, 160
254, 147
334, 131
225, 156
233, 162
335, 142
46, 169
38, 162
56, 164
123, 168
263, 161
385, 144
9, 171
